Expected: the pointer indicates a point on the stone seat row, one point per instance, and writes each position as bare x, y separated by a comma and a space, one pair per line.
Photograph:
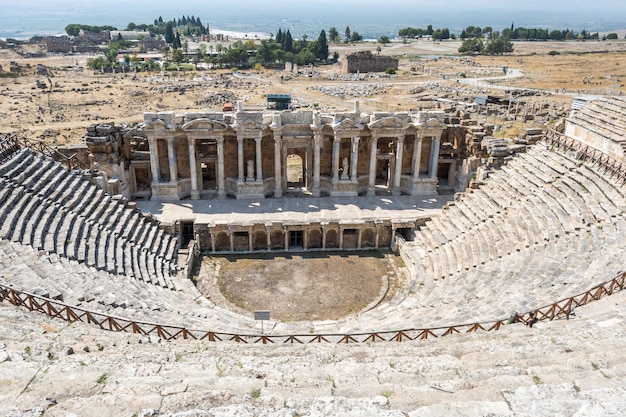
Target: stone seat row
83, 286
605, 113
75, 237
73, 193
509, 229
599, 122
66, 214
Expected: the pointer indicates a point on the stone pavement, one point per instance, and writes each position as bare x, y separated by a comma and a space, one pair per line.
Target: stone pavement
296, 210
563, 368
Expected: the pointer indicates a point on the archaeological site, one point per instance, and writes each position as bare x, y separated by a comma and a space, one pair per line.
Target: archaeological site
149, 271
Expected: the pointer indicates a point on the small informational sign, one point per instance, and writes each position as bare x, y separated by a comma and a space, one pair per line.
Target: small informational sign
262, 315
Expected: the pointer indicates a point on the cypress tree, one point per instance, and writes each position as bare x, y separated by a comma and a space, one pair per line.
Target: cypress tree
288, 42
169, 33
323, 46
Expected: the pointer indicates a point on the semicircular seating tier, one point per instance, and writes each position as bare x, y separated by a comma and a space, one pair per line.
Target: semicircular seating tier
44, 206
541, 228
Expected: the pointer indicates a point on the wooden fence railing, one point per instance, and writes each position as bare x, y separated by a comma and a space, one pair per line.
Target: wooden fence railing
9, 146
13, 143
611, 166
56, 309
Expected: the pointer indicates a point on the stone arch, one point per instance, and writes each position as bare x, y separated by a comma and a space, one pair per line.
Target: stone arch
222, 242
259, 241
367, 238
315, 238
277, 239
332, 239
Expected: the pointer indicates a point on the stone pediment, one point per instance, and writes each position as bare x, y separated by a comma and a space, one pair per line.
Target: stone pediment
204, 124
432, 123
347, 124
159, 125
247, 125
388, 123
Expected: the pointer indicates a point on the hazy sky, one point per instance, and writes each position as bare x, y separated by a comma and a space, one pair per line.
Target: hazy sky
302, 15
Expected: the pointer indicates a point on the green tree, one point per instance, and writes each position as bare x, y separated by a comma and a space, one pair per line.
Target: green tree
97, 63
111, 55
169, 33
611, 36
498, 46
201, 50
355, 37
288, 42
177, 55
348, 34
384, 39
555, 35
72, 29
333, 35
322, 53
471, 46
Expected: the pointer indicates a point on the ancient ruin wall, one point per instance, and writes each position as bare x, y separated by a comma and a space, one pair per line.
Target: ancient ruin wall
365, 61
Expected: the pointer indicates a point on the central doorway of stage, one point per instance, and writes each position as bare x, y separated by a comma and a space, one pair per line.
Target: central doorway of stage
208, 168
296, 173
385, 164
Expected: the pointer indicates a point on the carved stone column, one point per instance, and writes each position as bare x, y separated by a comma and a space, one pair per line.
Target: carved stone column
371, 185
240, 159
154, 161
221, 189
278, 187
259, 170
336, 149
417, 156
171, 157
434, 158
354, 158
398, 174
195, 194
318, 140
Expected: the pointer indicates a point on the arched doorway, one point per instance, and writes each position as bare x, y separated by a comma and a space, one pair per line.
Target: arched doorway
296, 175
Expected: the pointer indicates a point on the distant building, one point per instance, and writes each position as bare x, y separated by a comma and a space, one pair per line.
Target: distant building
59, 44
98, 38
365, 61
129, 35
151, 44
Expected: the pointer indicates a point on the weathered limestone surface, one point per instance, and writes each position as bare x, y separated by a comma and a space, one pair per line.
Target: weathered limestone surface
562, 368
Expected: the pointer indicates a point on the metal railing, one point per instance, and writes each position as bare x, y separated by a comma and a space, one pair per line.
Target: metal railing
56, 309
